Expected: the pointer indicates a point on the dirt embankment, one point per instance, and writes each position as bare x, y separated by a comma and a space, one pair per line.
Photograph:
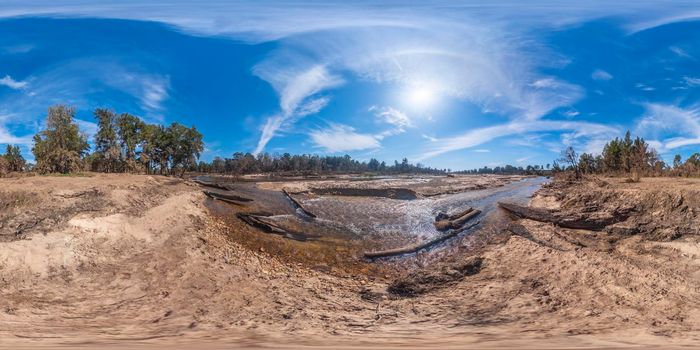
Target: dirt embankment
659, 209
138, 260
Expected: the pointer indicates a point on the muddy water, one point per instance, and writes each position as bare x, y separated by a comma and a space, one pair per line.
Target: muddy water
349, 225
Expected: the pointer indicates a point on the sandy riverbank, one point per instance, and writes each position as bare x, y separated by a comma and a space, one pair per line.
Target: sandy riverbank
129, 260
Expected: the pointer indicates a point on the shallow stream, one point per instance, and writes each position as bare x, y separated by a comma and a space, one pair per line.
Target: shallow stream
375, 223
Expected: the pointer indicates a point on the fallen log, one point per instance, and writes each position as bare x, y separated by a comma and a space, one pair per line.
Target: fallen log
257, 221
458, 215
441, 216
298, 205
231, 198
261, 223
417, 247
544, 215
211, 184
444, 222
460, 221
442, 225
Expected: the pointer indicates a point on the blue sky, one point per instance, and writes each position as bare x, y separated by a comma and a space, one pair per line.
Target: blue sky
445, 83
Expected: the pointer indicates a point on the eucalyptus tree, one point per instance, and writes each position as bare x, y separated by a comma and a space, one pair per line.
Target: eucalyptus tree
14, 160
61, 147
129, 129
107, 156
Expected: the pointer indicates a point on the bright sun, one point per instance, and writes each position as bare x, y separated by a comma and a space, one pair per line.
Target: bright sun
421, 97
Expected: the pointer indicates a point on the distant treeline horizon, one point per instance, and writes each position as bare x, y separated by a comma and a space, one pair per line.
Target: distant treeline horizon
125, 143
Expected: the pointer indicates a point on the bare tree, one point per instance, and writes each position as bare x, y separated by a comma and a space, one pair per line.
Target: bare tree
570, 157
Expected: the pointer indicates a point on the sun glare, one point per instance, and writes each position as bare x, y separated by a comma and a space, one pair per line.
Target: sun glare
420, 97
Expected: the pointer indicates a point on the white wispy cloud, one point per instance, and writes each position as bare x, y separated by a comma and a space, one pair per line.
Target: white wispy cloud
7, 138
343, 138
155, 91
679, 51
74, 83
691, 81
12, 83
274, 19
313, 106
392, 116
398, 120
429, 138
674, 126
480, 136
295, 86
600, 74
571, 113
644, 87
523, 159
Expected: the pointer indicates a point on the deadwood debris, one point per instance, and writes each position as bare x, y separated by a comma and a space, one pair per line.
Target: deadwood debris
229, 198
263, 223
578, 222
444, 221
418, 247
211, 184
298, 205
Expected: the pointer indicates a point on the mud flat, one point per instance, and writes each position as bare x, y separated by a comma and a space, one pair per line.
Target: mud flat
126, 260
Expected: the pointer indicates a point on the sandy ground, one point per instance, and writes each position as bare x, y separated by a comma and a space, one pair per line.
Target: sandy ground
127, 260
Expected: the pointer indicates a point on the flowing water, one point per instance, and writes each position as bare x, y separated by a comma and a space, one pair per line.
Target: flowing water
389, 223
372, 223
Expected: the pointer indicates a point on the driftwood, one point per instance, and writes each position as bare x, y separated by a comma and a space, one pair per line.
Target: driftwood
298, 205
444, 222
544, 215
230, 198
417, 247
259, 222
460, 221
458, 215
211, 184
265, 225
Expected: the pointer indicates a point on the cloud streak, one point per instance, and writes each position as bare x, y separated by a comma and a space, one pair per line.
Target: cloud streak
271, 20
343, 138
12, 84
295, 86
675, 127
481, 136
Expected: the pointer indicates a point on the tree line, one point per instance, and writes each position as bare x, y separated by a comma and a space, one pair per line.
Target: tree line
627, 156
509, 170
247, 163
123, 143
